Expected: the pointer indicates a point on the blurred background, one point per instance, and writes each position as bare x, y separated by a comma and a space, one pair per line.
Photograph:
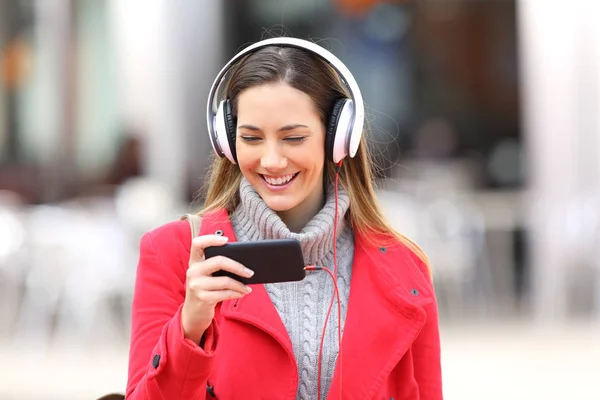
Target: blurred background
484, 119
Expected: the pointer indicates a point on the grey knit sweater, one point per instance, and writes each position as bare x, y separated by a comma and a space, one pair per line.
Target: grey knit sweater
303, 305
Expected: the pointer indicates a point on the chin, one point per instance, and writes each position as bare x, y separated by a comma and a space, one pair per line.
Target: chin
279, 205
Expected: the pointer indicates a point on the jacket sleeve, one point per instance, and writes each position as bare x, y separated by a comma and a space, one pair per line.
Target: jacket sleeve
162, 363
427, 353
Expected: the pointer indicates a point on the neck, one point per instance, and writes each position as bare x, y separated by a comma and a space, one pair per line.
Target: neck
297, 218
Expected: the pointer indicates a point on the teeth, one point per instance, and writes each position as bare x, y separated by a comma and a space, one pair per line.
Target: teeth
280, 180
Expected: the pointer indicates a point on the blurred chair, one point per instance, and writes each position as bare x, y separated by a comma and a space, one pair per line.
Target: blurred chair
96, 291
452, 233
12, 258
50, 232
574, 237
77, 269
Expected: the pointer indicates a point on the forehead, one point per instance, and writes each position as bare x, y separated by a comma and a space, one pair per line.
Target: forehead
275, 102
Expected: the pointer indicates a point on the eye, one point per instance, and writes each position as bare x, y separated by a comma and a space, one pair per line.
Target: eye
249, 138
295, 139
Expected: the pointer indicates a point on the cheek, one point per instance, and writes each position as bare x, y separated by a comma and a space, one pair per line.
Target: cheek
313, 162
246, 158
313, 156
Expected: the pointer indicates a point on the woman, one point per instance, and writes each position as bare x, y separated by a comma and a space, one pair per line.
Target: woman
292, 112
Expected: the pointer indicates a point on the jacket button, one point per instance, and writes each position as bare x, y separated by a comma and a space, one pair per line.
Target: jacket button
414, 292
156, 361
210, 390
382, 249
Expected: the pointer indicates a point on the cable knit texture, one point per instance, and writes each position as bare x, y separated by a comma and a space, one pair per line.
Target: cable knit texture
303, 305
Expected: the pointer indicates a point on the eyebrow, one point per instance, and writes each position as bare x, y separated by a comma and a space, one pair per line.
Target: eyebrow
282, 129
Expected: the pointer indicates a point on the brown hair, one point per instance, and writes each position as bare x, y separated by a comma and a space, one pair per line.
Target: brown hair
310, 74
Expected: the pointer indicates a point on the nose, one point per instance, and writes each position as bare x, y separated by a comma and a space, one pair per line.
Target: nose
273, 158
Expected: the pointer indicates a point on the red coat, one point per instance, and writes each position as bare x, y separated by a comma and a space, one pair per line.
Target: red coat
390, 347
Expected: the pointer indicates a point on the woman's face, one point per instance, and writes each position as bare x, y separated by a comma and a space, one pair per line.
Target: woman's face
280, 148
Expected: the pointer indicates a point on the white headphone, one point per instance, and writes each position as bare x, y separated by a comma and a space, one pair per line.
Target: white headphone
344, 127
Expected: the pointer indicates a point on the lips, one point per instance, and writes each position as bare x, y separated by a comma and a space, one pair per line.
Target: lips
279, 180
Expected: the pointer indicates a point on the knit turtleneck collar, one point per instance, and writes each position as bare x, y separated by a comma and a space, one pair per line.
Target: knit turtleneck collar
254, 220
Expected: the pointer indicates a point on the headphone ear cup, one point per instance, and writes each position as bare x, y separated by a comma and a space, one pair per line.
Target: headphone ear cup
333, 128
230, 128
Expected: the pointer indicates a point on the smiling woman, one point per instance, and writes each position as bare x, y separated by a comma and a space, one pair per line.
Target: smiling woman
287, 129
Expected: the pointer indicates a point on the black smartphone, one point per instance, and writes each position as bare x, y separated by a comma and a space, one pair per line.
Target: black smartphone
273, 261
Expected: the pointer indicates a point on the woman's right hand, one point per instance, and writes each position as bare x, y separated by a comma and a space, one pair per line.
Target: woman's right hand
204, 291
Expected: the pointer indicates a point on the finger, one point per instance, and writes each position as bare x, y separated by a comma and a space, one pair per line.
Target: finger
218, 296
199, 243
216, 283
217, 263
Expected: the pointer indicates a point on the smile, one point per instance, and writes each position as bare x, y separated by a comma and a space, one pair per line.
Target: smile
279, 180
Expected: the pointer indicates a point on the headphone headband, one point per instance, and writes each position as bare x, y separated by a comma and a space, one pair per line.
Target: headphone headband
343, 72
